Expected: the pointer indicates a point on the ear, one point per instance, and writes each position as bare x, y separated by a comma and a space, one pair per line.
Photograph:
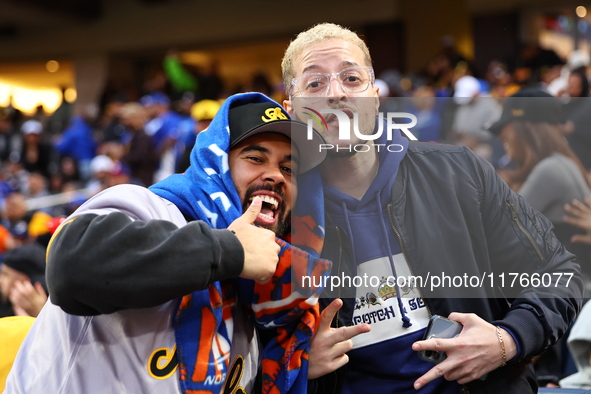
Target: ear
288, 107
377, 98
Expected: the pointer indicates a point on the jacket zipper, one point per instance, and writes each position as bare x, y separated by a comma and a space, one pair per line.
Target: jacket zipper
515, 218
339, 270
404, 251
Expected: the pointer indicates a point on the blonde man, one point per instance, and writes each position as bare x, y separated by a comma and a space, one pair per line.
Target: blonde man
419, 211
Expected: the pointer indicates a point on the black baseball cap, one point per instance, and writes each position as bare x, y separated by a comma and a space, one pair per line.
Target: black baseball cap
249, 119
529, 105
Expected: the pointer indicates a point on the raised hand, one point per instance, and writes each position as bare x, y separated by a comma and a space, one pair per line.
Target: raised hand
260, 249
579, 215
329, 345
473, 353
26, 299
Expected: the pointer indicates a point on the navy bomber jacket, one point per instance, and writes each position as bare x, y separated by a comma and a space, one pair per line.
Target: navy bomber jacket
454, 216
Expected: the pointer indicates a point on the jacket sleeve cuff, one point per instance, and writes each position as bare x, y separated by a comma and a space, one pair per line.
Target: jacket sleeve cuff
518, 354
526, 330
231, 260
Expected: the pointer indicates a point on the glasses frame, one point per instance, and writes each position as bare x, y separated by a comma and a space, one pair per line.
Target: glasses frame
332, 76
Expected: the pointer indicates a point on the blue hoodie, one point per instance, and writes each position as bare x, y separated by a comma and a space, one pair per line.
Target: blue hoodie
77, 140
382, 360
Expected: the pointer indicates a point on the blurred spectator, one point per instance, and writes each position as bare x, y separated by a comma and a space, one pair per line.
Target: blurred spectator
577, 61
13, 329
578, 111
579, 215
14, 217
579, 343
37, 187
141, 156
211, 86
578, 84
15, 176
500, 81
22, 281
58, 121
68, 169
476, 111
181, 79
78, 142
39, 229
110, 122
203, 112
186, 125
106, 173
548, 174
6, 241
428, 113
535, 64
36, 156
11, 141
40, 116
260, 83
163, 128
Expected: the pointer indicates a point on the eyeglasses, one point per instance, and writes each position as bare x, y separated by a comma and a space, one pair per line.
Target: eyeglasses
352, 80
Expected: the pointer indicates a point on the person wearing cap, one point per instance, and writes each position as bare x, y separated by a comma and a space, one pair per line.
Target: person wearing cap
548, 174
163, 127
22, 281
420, 212
153, 289
36, 155
476, 110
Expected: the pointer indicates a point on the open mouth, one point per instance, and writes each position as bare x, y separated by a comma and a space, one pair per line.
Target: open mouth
269, 210
332, 118
348, 112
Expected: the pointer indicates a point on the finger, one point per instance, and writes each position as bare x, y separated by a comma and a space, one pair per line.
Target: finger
569, 208
581, 238
579, 205
338, 362
443, 344
462, 318
253, 210
434, 373
344, 334
18, 288
329, 313
574, 221
27, 288
39, 288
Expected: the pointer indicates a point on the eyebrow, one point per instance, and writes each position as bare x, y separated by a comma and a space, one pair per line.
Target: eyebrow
258, 148
344, 64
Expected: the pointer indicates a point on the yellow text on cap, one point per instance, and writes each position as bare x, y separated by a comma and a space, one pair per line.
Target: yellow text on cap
273, 114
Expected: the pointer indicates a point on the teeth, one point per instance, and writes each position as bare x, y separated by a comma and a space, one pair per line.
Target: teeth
266, 216
269, 200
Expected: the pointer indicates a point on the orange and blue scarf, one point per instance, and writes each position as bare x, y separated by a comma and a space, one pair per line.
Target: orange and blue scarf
206, 192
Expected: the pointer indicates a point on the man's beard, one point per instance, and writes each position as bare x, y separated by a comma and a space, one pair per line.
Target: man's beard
282, 225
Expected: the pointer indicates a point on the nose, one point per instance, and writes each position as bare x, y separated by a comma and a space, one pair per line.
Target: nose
273, 174
335, 92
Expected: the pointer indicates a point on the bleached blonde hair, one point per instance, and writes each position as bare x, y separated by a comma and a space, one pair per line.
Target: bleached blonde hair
320, 32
